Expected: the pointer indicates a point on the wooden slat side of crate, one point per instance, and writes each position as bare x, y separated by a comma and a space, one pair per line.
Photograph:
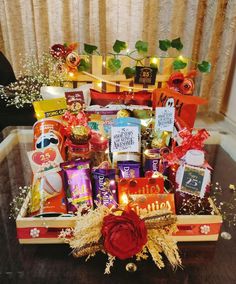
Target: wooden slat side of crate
100, 76
48, 228
191, 228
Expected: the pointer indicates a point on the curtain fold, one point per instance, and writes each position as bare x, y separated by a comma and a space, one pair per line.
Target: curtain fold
206, 27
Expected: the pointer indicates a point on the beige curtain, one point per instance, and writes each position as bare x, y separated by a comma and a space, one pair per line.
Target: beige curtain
206, 27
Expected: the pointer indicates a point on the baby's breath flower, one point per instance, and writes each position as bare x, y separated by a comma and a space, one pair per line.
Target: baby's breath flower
35, 74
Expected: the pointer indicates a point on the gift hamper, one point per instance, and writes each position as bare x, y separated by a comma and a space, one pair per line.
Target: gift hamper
118, 167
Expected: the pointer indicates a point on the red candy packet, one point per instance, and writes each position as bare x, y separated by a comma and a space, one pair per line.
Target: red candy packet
139, 186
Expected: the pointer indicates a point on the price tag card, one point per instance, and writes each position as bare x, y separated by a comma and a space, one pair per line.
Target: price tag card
124, 139
194, 180
165, 118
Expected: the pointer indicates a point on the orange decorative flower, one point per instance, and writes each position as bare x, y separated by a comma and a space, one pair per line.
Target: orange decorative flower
72, 59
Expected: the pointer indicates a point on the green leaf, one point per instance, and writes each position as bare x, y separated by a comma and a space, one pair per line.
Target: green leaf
164, 44
141, 46
119, 45
83, 65
114, 64
129, 72
179, 64
88, 48
176, 43
204, 66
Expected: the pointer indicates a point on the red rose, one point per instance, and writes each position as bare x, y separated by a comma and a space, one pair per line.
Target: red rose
58, 51
124, 235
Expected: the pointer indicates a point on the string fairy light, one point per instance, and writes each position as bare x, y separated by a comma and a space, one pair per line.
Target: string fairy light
130, 88
154, 60
99, 84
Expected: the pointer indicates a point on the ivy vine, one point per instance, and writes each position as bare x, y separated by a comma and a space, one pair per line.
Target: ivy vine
140, 53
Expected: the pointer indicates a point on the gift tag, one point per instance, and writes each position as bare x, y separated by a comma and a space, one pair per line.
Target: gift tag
75, 101
145, 75
194, 180
47, 159
125, 139
165, 118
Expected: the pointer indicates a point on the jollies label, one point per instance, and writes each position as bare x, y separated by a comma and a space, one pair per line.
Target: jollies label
127, 186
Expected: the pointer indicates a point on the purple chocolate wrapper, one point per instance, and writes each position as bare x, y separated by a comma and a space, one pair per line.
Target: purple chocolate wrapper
153, 161
78, 188
105, 187
129, 169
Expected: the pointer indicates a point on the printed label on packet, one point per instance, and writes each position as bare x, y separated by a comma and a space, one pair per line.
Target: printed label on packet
53, 108
75, 101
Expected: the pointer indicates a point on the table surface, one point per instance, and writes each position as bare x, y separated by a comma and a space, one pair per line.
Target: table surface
203, 262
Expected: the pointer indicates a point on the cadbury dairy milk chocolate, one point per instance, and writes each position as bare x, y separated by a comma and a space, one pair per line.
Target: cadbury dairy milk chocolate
129, 169
78, 188
105, 187
153, 161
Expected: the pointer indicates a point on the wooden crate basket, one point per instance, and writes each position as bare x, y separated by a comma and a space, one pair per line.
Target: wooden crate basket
45, 230
31, 230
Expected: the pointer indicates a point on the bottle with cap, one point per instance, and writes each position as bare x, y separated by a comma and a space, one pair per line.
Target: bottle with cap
193, 176
99, 149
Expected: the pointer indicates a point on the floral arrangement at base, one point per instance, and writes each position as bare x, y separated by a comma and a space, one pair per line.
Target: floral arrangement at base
123, 234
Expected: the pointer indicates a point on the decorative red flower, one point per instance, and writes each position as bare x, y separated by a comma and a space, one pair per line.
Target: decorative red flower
187, 86
175, 79
62, 51
125, 235
58, 51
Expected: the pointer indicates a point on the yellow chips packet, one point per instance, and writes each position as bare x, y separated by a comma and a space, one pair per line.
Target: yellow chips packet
53, 108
